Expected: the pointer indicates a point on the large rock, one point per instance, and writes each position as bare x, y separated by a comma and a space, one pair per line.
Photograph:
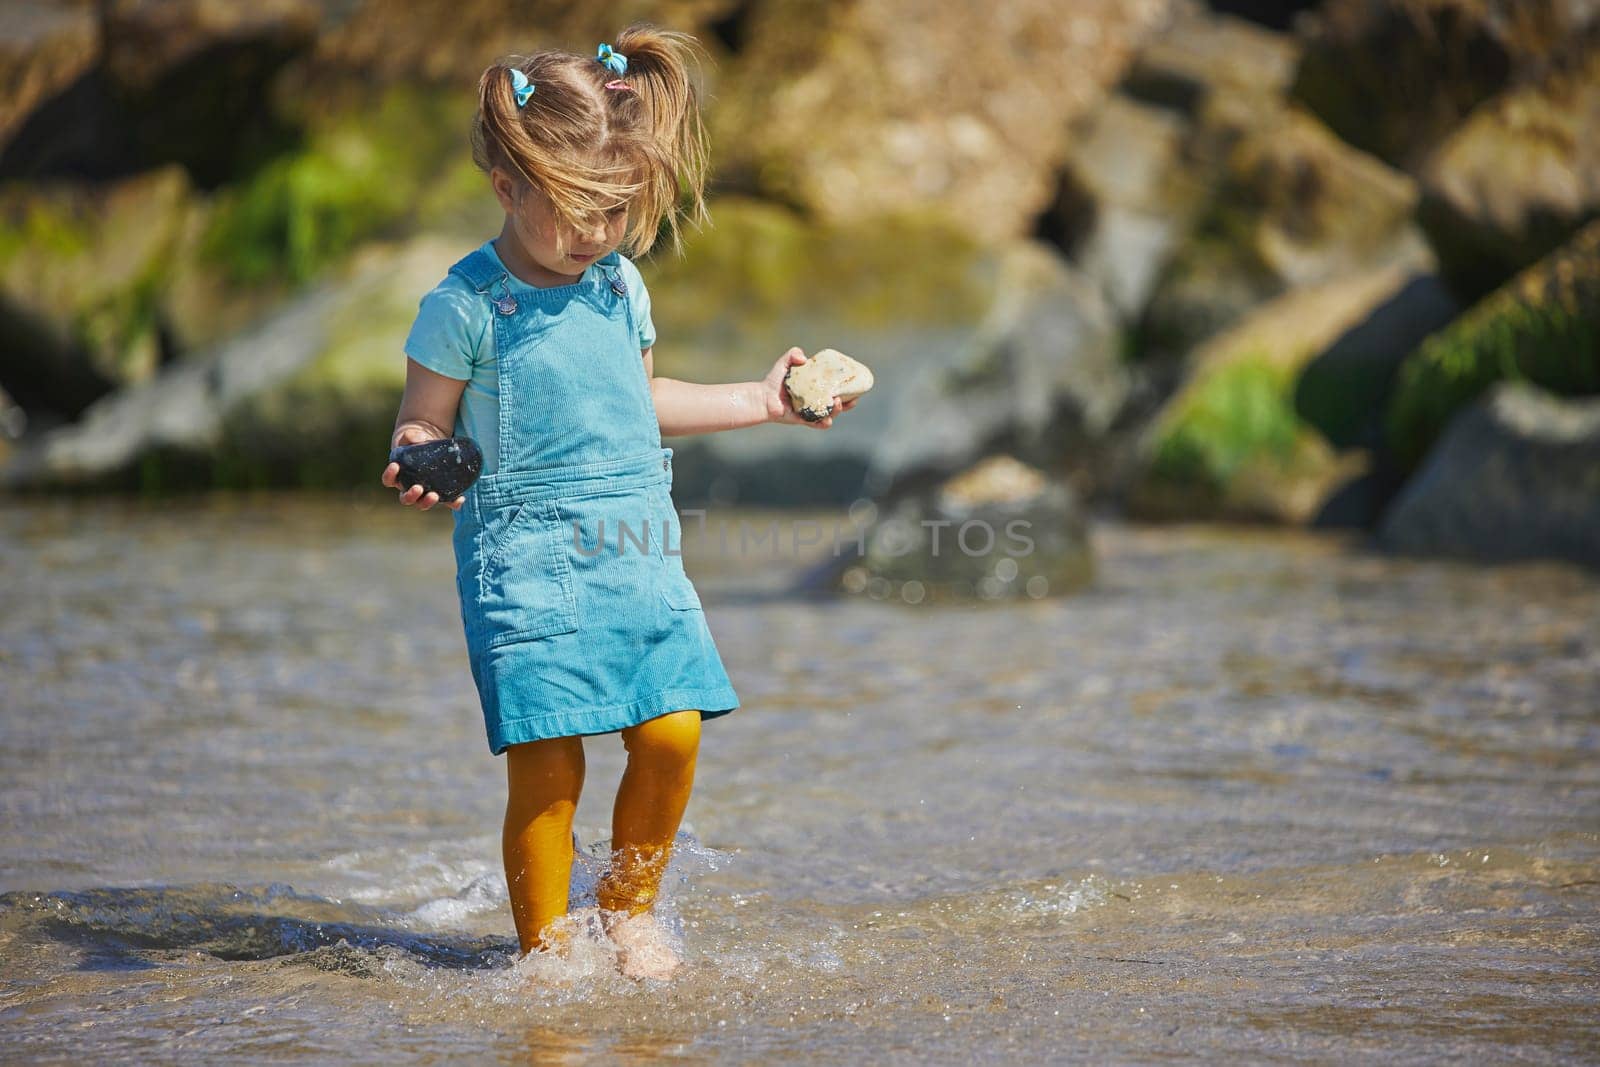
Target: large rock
82, 269
1543, 326
1198, 54
1515, 476
167, 81
1344, 390
877, 107
1395, 77
1124, 199
1041, 377
100, 282
1230, 444
1000, 530
1142, 165
1517, 178
382, 42
971, 348
305, 398
145, 40
1291, 206
45, 46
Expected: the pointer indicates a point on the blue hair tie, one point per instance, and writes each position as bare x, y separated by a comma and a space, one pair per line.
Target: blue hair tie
615, 62
521, 86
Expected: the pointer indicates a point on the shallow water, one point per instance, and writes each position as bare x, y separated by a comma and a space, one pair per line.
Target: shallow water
1254, 793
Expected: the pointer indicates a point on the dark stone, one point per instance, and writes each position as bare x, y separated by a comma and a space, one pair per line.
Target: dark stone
1344, 391
48, 376
1276, 14
447, 466
205, 106
1359, 502
1515, 476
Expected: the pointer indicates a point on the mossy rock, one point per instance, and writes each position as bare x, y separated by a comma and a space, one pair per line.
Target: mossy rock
1517, 179
305, 399
1394, 77
1290, 206
103, 283
1230, 443
378, 170
761, 277
329, 423
83, 270
1542, 327
1344, 391
1231, 446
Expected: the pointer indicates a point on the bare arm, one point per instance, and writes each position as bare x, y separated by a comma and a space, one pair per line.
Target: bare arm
427, 413
685, 408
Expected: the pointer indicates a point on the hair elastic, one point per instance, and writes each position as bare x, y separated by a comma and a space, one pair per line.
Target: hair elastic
615, 62
521, 86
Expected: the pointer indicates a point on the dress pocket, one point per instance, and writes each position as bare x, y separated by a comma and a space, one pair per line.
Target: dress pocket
680, 594
525, 587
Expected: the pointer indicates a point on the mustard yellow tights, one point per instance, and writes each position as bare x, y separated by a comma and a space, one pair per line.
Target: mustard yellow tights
544, 779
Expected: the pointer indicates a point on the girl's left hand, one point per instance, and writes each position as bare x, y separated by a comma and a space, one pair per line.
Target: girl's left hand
779, 406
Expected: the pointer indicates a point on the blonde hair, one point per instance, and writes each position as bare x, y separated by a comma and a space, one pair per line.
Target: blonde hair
590, 149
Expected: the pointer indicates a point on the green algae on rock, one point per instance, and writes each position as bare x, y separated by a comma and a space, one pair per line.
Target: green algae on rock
1542, 327
304, 399
82, 269
360, 174
1230, 443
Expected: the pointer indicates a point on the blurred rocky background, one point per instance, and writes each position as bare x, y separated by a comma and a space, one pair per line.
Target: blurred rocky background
1328, 263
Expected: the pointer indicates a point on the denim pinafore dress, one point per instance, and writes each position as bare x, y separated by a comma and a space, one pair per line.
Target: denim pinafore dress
578, 614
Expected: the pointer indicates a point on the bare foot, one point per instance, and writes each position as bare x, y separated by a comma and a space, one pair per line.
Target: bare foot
643, 948
570, 950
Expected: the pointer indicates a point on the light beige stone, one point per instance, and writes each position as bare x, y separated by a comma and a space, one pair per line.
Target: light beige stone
828, 374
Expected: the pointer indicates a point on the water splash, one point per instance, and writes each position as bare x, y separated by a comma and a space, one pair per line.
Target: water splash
1066, 898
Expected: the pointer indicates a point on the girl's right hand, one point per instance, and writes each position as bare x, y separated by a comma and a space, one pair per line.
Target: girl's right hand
414, 435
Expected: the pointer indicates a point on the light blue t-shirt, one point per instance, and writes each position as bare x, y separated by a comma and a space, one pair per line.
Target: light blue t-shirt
453, 335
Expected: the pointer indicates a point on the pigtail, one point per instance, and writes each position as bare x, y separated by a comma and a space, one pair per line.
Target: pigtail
661, 69
498, 137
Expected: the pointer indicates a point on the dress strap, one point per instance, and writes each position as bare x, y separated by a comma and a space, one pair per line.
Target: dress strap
611, 263
484, 274
479, 269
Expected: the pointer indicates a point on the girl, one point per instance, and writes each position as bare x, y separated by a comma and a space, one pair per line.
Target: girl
538, 344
